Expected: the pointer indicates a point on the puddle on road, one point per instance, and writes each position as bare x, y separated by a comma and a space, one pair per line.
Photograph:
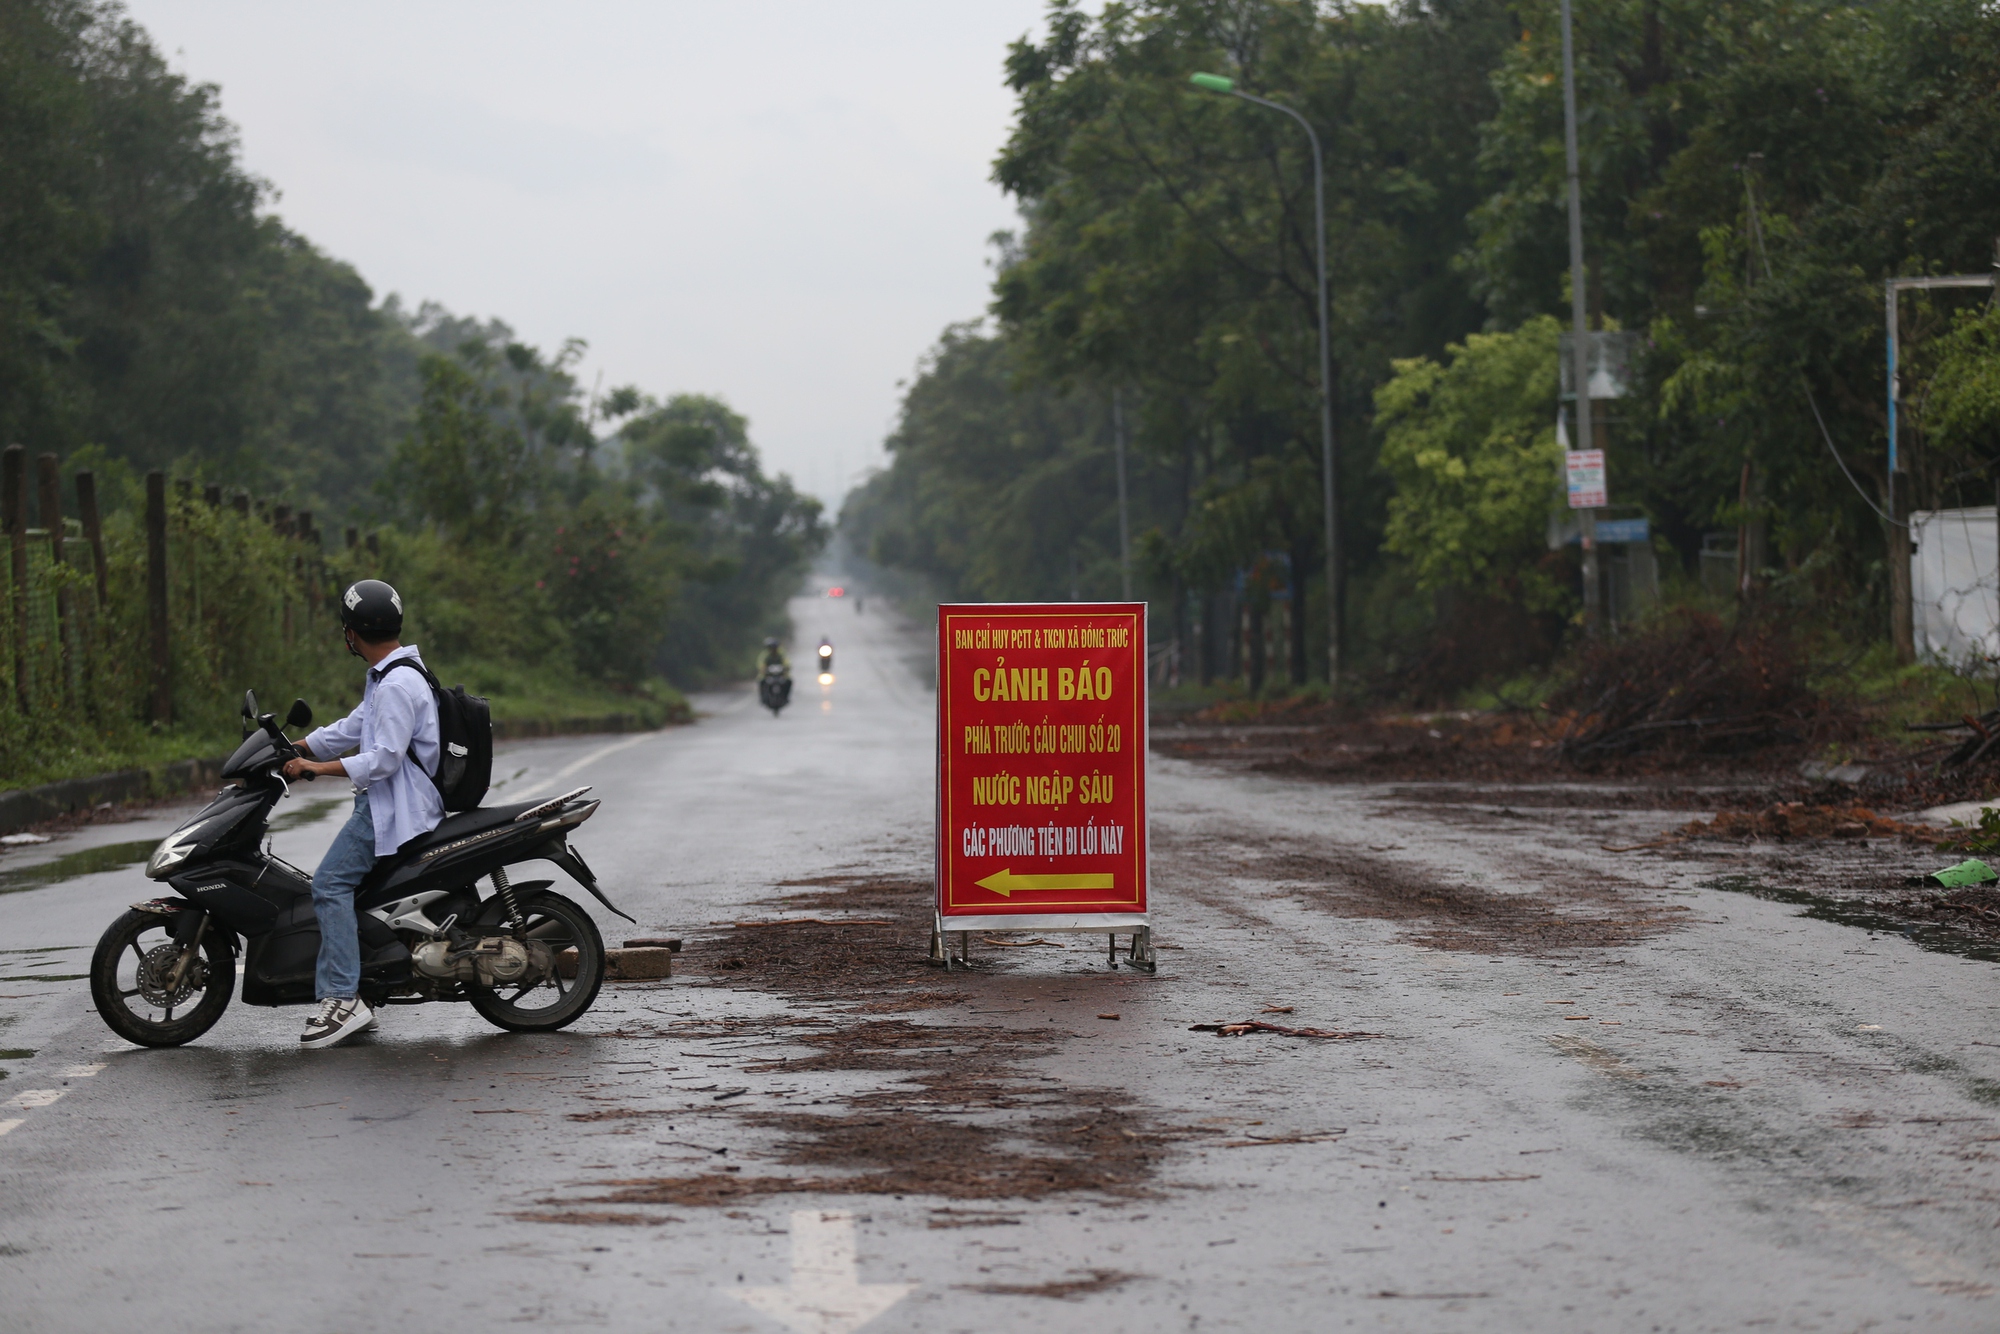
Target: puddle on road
1859, 913
72, 865
117, 856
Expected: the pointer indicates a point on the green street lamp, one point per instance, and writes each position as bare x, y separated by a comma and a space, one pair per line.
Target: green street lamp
1336, 579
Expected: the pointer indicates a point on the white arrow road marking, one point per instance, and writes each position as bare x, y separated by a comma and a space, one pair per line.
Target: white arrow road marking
826, 1294
6, 1126
29, 1098
81, 1071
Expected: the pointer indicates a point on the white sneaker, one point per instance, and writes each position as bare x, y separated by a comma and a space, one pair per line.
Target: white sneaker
336, 1022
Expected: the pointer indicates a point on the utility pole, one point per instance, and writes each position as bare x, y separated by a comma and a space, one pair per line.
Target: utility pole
1124, 522
1579, 319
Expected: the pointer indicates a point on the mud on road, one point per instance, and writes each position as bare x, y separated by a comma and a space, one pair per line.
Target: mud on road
950, 1110
1842, 853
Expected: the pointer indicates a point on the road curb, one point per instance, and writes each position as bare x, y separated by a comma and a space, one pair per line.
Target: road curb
32, 805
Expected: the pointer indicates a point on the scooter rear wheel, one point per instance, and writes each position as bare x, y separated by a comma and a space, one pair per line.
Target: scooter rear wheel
132, 985
554, 1002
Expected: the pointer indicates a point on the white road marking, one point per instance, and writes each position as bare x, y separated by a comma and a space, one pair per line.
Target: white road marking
81, 1071
6, 1126
826, 1294
536, 789
28, 1099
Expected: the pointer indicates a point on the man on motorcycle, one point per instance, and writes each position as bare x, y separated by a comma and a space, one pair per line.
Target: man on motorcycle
773, 656
395, 735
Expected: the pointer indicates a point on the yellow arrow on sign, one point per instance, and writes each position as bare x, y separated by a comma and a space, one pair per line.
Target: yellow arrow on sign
1004, 882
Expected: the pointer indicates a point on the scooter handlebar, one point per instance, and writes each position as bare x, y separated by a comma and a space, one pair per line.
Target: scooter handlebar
283, 744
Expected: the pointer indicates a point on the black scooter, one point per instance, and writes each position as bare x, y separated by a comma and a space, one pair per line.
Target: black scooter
527, 959
774, 690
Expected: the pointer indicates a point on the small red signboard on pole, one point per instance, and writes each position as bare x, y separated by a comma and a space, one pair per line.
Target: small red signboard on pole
1041, 791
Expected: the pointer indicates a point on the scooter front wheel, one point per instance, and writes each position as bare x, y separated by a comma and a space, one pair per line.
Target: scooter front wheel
552, 1002
147, 988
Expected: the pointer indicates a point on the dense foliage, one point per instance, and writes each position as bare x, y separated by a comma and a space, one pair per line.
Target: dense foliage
1753, 172
154, 314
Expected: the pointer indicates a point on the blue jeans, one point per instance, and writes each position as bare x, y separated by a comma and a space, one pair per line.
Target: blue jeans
350, 858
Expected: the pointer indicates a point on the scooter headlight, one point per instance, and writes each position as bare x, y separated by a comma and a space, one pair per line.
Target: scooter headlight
174, 849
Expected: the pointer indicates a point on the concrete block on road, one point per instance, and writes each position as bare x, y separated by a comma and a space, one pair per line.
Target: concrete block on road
640, 965
627, 965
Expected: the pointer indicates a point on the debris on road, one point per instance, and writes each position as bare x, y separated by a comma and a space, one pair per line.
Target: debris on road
638, 965
807, 921
1692, 684
1971, 871
1258, 1026
595, 1218
1100, 1280
1787, 821
1319, 1137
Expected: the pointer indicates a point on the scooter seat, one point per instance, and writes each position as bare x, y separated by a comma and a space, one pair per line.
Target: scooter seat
467, 822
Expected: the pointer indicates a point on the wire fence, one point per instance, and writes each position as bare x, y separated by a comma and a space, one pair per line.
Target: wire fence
153, 603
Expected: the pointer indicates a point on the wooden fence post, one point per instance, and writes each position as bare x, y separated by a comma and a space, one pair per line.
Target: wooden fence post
14, 506
162, 710
48, 478
93, 533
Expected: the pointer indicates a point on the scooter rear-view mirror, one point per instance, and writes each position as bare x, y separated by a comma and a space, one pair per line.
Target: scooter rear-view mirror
300, 715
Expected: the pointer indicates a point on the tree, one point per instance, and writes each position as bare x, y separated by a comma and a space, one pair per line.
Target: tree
1470, 443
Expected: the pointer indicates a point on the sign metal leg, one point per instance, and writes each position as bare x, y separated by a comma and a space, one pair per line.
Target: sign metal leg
1141, 956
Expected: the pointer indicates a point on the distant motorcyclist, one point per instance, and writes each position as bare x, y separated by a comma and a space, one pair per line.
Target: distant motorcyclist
774, 678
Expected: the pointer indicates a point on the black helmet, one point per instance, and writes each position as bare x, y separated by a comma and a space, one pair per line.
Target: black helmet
771, 643
372, 610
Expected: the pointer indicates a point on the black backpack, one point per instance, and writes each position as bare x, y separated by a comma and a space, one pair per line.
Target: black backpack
465, 742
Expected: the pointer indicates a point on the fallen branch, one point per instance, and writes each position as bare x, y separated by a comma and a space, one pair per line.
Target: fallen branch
1284, 1139
1258, 1026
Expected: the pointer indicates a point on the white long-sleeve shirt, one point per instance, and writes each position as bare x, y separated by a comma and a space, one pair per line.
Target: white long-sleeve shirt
396, 730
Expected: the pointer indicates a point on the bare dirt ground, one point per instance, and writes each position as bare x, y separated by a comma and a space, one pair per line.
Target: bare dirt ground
1844, 851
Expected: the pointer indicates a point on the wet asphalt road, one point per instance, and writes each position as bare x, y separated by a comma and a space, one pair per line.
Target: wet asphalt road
1764, 1120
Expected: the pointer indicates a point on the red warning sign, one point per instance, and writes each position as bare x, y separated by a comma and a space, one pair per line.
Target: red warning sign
1042, 763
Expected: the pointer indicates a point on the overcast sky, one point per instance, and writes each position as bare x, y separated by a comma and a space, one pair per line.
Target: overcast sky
782, 203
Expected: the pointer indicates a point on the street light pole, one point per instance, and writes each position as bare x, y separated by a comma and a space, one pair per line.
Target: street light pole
1336, 575
1579, 318
1124, 522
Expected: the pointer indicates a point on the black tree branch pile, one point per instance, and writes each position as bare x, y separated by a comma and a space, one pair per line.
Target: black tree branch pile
1692, 684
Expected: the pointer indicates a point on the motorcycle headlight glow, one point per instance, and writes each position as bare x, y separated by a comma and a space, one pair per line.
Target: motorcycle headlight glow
174, 849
